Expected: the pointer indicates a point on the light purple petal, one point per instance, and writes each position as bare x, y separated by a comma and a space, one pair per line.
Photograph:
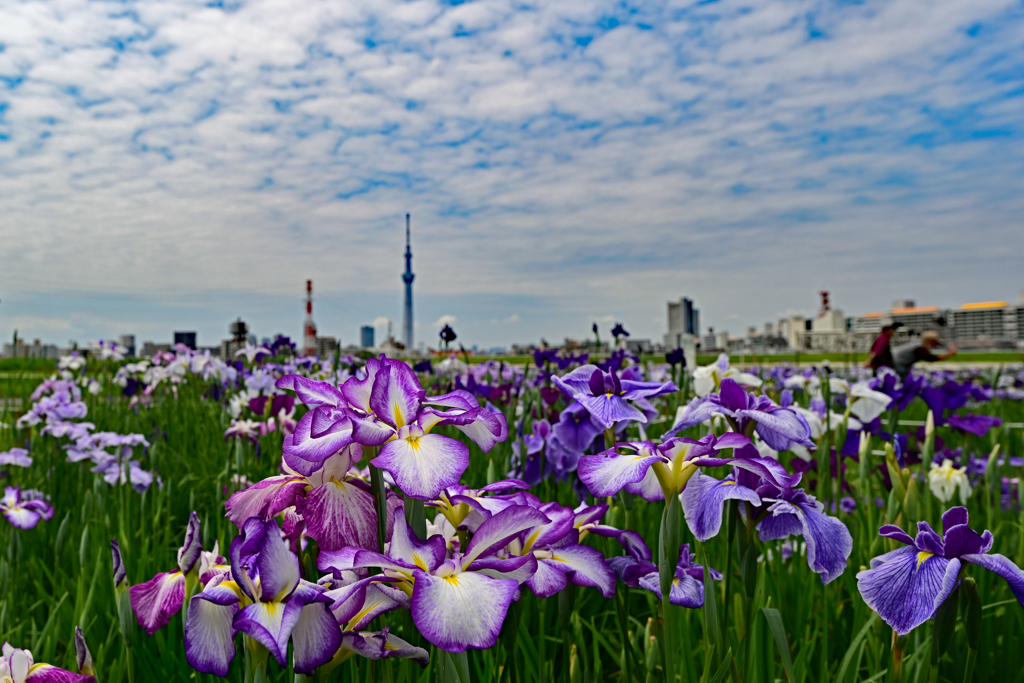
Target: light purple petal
189, 552
209, 630
829, 542
339, 514
649, 487
607, 473
548, 580
396, 395
157, 600
704, 499
516, 568
48, 673
314, 393
265, 499
278, 565
1005, 568
424, 466
16, 456
607, 409
902, 586
405, 546
271, 624
586, 567
316, 635
486, 430
461, 611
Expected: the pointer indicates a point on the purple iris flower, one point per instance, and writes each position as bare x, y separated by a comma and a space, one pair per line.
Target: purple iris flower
908, 585
19, 666
16, 456
529, 466
264, 598
458, 600
975, 424
575, 429
656, 471
606, 397
687, 584
24, 509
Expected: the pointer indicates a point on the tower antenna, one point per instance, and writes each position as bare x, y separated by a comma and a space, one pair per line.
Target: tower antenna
407, 278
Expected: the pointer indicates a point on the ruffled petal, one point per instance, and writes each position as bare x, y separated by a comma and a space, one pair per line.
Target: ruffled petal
340, 514
278, 565
265, 499
47, 673
271, 624
704, 499
607, 409
1004, 567
607, 473
902, 586
316, 635
209, 629
424, 466
547, 580
585, 566
461, 611
157, 600
396, 395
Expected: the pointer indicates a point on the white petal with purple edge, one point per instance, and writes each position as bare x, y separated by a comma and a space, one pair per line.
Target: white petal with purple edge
265, 499
424, 466
278, 565
497, 531
548, 579
157, 600
315, 637
606, 474
461, 611
588, 567
209, 630
271, 624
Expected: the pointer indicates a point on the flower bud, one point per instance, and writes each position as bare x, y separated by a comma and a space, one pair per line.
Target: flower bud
970, 611
82, 654
945, 625
189, 552
125, 615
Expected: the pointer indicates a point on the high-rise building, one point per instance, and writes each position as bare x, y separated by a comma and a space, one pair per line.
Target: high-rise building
128, 342
407, 278
683, 319
366, 336
186, 338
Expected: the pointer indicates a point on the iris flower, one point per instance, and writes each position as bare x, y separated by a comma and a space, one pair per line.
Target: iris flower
18, 666
687, 584
707, 378
24, 509
458, 601
389, 409
656, 472
160, 598
264, 598
946, 481
606, 397
16, 456
908, 585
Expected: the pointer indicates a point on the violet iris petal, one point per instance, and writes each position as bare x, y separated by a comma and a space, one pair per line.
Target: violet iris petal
704, 499
829, 542
907, 586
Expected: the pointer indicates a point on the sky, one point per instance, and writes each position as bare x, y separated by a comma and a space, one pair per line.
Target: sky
175, 165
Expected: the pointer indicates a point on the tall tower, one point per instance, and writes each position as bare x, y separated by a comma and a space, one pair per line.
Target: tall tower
407, 278
309, 328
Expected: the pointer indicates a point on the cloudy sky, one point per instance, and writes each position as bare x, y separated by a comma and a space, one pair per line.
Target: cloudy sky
172, 165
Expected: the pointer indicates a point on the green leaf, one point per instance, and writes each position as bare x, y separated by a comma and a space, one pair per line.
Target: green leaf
841, 676
779, 631
723, 669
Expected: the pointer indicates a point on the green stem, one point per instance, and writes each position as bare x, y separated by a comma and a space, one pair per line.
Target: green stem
379, 496
972, 654
668, 556
416, 516
565, 605
130, 662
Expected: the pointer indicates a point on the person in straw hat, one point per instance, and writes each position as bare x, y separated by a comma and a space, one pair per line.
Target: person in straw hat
905, 355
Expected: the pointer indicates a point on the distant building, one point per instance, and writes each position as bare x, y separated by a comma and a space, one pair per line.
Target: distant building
326, 346
128, 342
683, 319
366, 336
34, 350
149, 348
186, 338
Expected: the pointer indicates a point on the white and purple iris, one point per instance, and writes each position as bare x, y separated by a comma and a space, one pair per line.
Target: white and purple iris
687, 583
24, 509
607, 398
18, 666
908, 585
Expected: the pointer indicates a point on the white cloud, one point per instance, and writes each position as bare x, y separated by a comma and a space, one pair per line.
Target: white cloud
514, 318
445, 320
742, 155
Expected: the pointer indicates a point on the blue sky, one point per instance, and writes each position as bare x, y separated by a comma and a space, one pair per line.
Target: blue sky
174, 165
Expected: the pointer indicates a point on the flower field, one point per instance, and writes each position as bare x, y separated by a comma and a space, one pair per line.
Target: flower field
276, 518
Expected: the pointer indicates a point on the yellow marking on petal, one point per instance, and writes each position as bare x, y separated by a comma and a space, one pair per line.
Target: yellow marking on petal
921, 557
453, 579
399, 419
418, 561
530, 541
414, 442
726, 483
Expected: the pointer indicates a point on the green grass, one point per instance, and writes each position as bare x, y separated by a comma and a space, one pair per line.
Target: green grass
58, 575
